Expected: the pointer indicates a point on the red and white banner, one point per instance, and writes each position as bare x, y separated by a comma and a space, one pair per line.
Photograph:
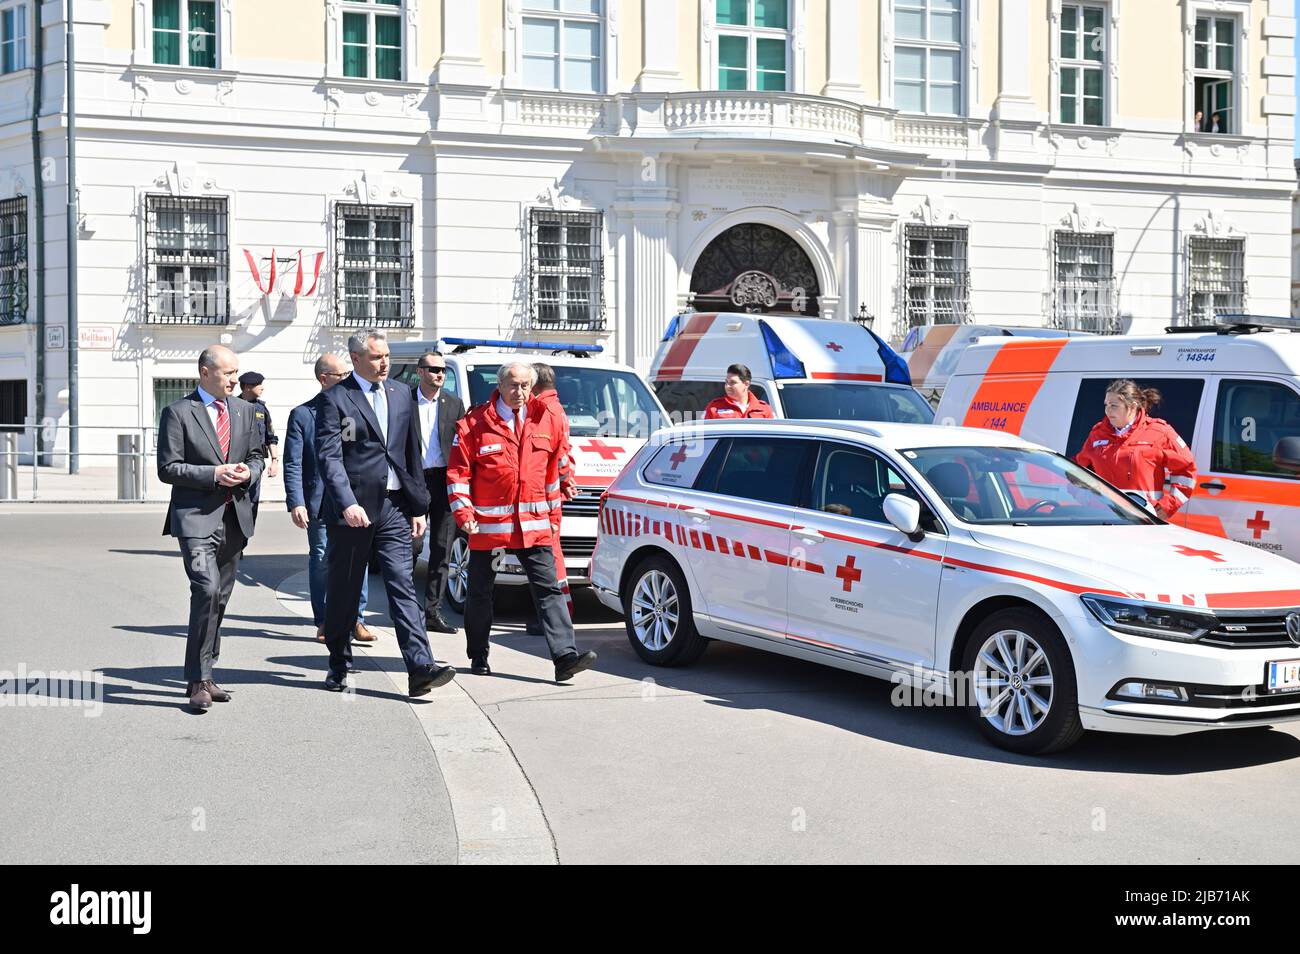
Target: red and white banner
294, 290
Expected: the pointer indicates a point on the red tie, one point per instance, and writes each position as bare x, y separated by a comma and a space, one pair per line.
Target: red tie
223, 429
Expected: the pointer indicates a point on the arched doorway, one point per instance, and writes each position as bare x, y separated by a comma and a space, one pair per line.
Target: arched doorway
755, 267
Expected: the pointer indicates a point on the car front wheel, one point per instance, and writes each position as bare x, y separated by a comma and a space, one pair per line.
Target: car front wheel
658, 616
1022, 690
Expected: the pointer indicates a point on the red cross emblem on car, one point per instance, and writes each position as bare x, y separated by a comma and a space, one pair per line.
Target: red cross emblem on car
678, 457
605, 451
848, 573
1258, 524
1191, 552
835, 347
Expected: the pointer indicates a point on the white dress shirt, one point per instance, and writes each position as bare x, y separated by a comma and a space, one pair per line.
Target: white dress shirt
508, 414
368, 390
429, 432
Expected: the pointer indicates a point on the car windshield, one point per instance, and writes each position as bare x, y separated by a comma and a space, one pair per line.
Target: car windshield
599, 401
855, 402
1021, 486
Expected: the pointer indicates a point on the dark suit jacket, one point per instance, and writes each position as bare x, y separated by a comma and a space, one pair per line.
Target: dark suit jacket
450, 410
354, 459
188, 455
303, 486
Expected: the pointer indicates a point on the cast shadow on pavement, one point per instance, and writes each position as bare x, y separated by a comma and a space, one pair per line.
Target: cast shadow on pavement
166, 682
227, 632
739, 677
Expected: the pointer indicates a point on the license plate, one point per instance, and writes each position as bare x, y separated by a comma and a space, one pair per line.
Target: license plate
1283, 676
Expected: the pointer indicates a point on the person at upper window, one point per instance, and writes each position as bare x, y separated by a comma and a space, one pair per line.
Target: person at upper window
737, 402
1199, 122
1216, 124
1139, 453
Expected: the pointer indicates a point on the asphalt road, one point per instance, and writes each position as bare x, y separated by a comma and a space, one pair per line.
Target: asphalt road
743, 757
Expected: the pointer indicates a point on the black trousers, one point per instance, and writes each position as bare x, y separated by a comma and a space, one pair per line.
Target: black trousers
441, 528
389, 538
553, 612
210, 563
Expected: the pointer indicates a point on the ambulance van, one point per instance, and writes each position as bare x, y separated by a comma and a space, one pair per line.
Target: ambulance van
932, 352
611, 414
1231, 391
809, 368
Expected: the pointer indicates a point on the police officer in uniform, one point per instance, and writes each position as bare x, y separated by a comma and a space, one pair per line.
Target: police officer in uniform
251, 385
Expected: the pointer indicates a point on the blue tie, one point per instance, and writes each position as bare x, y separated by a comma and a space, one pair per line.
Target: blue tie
381, 409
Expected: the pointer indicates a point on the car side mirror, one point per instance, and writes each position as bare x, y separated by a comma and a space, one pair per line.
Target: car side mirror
904, 513
1286, 454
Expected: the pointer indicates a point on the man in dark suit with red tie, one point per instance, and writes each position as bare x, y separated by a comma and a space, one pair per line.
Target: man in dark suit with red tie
375, 502
209, 451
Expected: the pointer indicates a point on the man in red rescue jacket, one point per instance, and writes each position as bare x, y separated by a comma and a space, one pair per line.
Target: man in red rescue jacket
503, 481
737, 402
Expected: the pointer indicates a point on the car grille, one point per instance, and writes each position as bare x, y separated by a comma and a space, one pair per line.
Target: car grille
577, 546
586, 504
1249, 632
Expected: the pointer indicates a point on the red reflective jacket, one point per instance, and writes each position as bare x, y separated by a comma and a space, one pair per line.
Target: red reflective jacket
725, 408
1149, 458
508, 482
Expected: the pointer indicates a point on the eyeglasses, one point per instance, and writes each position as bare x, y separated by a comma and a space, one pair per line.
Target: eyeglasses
336, 374
433, 368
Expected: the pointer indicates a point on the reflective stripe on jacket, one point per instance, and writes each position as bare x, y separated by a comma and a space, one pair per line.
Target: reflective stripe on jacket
1149, 458
509, 483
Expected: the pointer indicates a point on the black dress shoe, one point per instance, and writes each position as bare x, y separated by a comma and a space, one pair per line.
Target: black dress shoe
480, 667
566, 667
426, 680
434, 623
335, 682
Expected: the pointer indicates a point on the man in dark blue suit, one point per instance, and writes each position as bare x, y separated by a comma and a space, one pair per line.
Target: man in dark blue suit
375, 502
303, 489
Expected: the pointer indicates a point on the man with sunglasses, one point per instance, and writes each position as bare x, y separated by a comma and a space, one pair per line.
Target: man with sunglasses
439, 411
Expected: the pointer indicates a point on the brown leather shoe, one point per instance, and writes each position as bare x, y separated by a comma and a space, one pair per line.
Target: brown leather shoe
320, 634
200, 698
363, 635
216, 692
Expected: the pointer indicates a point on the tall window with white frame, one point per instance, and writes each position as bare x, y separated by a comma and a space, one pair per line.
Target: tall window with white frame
566, 269
562, 42
1084, 282
185, 33
936, 277
753, 43
372, 39
1083, 64
928, 56
375, 278
13, 261
187, 260
1216, 278
1214, 75
13, 37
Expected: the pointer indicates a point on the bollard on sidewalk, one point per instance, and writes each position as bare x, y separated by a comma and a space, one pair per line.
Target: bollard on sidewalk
128, 467
8, 466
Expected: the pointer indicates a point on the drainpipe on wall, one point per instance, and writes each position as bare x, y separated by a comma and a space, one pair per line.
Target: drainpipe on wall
38, 198
74, 416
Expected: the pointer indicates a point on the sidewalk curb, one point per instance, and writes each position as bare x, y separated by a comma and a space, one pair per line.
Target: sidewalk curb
498, 817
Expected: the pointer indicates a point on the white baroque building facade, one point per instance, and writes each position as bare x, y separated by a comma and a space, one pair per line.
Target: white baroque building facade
581, 170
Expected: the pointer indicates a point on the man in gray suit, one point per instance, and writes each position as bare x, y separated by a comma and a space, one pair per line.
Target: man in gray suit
210, 452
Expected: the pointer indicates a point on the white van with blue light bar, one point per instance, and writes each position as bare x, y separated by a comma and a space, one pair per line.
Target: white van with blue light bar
807, 368
611, 413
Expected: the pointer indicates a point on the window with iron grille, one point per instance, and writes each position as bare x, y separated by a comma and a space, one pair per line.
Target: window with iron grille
1084, 282
187, 260
566, 269
167, 390
375, 271
1216, 278
936, 279
13, 261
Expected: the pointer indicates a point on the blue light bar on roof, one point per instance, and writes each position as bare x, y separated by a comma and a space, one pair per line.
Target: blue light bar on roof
784, 363
896, 369
536, 345
672, 328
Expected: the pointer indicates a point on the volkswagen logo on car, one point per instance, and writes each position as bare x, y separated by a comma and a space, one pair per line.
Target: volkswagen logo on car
1293, 627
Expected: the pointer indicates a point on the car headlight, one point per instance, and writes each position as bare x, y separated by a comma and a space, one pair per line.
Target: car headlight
1151, 619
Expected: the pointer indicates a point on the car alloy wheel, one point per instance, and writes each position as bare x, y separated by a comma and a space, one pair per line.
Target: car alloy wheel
458, 572
655, 610
1014, 687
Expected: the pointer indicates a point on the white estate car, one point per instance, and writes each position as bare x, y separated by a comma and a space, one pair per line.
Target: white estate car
969, 561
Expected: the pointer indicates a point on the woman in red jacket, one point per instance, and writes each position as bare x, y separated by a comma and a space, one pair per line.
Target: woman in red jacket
737, 403
1139, 453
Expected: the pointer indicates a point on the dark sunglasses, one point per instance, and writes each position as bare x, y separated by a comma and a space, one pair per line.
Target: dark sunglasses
435, 368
